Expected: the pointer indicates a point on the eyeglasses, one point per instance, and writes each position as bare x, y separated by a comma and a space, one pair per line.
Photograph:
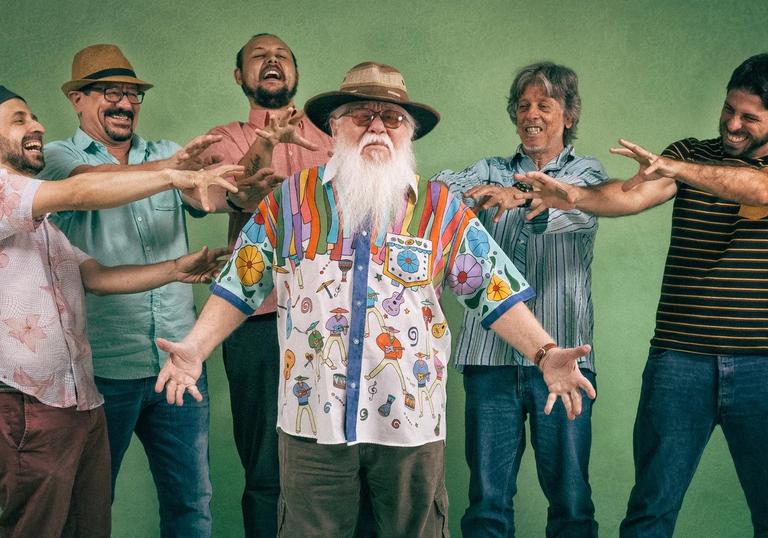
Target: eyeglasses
115, 95
363, 117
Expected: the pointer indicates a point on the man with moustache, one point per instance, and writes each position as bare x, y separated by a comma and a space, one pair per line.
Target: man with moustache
54, 454
106, 94
708, 360
554, 252
368, 214
266, 71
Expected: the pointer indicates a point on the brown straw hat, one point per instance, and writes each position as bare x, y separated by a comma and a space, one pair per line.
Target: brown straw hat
101, 63
371, 81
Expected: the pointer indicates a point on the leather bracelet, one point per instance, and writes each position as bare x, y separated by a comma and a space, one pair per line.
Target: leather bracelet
542, 352
232, 204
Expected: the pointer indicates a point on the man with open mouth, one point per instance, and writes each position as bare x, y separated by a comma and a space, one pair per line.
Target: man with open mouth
107, 95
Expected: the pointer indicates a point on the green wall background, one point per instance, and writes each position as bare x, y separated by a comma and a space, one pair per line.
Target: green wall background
651, 71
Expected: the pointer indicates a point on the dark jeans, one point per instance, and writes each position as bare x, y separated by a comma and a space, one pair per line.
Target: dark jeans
684, 396
498, 401
175, 439
54, 470
322, 489
252, 363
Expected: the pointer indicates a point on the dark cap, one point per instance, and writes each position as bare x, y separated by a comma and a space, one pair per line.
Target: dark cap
6, 94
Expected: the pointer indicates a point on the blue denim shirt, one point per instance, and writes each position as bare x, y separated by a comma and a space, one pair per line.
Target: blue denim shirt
553, 252
122, 328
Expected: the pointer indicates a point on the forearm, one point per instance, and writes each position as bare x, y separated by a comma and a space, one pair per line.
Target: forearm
99, 190
743, 184
258, 156
521, 330
102, 280
217, 321
609, 200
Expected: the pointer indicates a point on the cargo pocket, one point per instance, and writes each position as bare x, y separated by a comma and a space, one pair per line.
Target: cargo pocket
441, 513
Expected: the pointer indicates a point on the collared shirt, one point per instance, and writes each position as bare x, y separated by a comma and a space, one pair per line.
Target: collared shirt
287, 159
361, 372
714, 296
554, 252
122, 328
43, 348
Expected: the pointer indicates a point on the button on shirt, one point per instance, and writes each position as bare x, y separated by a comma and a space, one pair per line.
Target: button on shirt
122, 328
357, 311
287, 159
43, 348
554, 252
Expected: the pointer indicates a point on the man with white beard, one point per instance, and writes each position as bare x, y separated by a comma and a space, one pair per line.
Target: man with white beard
403, 239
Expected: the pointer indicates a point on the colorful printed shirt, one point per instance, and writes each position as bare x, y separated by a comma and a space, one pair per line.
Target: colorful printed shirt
43, 348
287, 159
385, 285
553, 251
122, 328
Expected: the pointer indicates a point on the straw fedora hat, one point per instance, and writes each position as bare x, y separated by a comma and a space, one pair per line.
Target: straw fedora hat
101, 63
371, 81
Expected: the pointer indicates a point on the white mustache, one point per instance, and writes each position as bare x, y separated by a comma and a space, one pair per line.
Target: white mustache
371, 138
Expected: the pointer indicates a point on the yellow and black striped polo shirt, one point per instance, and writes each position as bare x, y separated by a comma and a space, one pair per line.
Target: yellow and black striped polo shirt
714, 297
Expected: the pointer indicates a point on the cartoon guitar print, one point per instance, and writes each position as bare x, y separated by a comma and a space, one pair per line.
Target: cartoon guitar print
392, 305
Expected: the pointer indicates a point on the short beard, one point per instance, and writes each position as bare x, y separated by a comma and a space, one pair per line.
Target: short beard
749, 150
369, 193
17, 160
119, 136
271, 99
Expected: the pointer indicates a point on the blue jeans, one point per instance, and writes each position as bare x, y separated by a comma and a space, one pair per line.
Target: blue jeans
684, 396
175, 440
498, 401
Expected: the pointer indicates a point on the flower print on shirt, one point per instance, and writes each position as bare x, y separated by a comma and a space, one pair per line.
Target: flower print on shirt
26, 330
466, 275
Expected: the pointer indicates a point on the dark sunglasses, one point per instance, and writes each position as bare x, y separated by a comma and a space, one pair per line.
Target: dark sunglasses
363, 117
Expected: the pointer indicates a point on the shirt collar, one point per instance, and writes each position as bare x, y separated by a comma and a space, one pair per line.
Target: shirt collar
332, 167
83, 141
555, 164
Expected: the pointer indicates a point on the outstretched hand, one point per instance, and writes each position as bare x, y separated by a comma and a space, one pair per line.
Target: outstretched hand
180, 372
652, 166
281, 128
488, 196
195, 183
190, 157
201, 266
547, 193
565, 380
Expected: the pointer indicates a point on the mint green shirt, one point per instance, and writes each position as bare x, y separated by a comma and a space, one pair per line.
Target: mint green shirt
122, 328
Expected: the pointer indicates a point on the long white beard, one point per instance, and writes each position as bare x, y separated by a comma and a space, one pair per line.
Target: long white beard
370, 192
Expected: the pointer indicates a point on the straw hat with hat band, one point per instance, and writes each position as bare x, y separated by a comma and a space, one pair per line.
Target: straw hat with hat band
371, 81
101, 63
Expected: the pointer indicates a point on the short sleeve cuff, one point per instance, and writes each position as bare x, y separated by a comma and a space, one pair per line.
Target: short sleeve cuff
231, 298
500, 310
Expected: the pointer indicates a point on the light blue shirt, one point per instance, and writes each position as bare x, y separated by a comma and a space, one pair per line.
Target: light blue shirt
122, 328
553, 252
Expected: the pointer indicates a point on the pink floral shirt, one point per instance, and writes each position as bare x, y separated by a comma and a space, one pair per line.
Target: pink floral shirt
43, 348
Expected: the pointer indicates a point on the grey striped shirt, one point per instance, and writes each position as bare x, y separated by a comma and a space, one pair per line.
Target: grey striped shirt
553, 252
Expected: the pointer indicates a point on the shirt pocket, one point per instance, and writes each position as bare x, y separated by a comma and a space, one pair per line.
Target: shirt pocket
408, 260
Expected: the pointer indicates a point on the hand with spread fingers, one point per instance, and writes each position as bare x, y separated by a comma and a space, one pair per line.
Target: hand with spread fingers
502, 198
565, 380
190, 157
652, 166
281, 128
547, 193
196, 183
201, 266
180, 372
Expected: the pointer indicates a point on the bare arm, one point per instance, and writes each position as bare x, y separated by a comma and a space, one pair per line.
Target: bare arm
200, 266
100, 190
259, 179
742, 184
520, 329
185, 359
